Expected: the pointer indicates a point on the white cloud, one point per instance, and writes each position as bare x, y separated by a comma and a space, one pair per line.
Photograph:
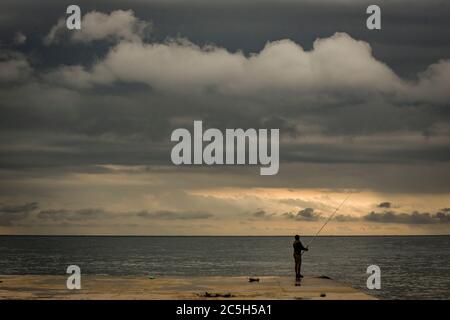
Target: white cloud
118, 25
335, 66
433, 84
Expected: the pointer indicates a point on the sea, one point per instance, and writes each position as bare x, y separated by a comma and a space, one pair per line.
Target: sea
412, 267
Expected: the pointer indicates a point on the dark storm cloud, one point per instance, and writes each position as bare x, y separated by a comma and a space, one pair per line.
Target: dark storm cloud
416, 218
12, 213
403, 218
9, 214
306, 214
86, 153
348, 152
443, 216
259, 213
391, 216
48, 123
384, 205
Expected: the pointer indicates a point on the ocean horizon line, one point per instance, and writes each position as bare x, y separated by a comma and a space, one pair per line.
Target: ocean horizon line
220, 236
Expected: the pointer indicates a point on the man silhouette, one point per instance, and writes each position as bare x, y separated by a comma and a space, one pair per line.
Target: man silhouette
298, 248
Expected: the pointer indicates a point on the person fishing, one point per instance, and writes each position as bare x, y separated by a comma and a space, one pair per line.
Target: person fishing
298, 248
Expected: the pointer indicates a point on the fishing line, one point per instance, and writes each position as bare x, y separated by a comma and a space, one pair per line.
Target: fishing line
329, 219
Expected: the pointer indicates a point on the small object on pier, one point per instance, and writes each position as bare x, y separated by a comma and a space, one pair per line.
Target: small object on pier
216, 295
253, 279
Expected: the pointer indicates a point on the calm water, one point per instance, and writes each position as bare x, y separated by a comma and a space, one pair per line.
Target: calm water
411, 267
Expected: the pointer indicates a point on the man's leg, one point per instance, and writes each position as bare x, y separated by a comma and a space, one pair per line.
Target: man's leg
300, 268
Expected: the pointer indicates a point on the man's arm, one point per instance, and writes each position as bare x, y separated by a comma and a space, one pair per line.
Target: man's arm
303, 247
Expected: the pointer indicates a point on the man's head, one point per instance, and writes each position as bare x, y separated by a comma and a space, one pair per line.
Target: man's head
297, 237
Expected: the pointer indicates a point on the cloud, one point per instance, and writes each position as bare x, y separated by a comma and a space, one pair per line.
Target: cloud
384, 205
117, 25
174, 215
346, 218
433, 83
335, 68
259, 213
262, 214
416, 218
116, 102
288, 215
403, 218
322, 119
14, 67
27, 207
12, 213
73, 215
378, 124
99, 213
335, 63
19, 38
297, 202
443, 216
306, 214
56, 32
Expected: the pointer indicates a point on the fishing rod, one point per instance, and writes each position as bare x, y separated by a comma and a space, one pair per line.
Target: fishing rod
329, 219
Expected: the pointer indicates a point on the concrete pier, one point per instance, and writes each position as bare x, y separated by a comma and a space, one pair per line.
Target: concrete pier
132, 287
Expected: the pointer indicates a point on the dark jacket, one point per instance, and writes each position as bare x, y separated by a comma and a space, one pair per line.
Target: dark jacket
298, 247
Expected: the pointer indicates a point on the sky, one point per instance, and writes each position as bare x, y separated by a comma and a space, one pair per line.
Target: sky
87, 115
